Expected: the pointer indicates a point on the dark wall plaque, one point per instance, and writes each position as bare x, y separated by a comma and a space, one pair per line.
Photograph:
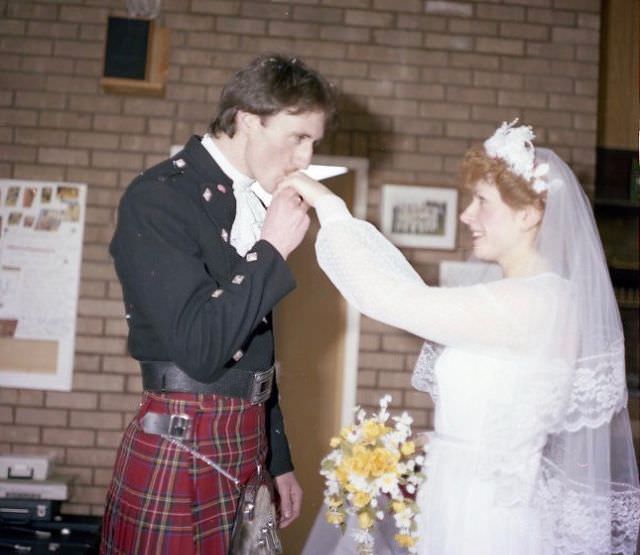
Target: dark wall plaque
126, 50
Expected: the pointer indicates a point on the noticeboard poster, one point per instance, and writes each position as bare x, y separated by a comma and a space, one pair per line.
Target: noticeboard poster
41, 230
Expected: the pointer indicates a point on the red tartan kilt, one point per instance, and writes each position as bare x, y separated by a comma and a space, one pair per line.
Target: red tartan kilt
164, 501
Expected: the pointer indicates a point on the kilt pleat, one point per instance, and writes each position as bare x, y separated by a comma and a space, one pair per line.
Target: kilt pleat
164, 501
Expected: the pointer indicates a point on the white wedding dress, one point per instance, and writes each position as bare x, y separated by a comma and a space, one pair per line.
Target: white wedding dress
499, 375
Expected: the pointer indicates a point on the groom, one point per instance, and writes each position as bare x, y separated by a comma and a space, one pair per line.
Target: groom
202, 266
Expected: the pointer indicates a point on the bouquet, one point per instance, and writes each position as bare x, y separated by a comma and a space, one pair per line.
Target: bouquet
370, 458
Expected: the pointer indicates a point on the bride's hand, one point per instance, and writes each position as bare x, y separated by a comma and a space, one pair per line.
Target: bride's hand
309, 189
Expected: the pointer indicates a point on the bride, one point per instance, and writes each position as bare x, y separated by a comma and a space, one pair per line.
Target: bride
532, 450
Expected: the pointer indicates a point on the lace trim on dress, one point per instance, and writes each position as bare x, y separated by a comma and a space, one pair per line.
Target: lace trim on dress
598, 389
423, 377
579, 520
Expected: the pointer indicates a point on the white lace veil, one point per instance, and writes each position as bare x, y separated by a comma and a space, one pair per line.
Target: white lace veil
588, 487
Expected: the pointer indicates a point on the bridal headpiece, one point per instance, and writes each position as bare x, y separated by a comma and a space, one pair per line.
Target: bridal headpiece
514, 145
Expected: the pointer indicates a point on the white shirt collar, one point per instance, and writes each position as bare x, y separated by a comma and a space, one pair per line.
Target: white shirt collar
239, 179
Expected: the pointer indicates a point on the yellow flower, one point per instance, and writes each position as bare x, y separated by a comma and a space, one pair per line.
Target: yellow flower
372, 430
398, 506
365, 520
342, 475
371, 462
335, 517
335, 502
361, 499
408, 448
344, 432
405, 541
335, 442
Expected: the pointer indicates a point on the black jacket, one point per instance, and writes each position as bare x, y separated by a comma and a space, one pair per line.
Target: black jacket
171, 253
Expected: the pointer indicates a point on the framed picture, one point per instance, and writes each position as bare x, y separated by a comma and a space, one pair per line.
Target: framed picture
421, 217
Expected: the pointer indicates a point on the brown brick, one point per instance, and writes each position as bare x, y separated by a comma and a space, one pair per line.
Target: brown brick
500, 46
318, 14
442, 145
414, 6
93, 326
402, 38
517, 99
126, 160
524, 31
469, 130
574, 69
6, 415
117, 328
33, 136
65, 120
578, 5
52, 30
31, 10
551, 17
68, 156
72, 400
423, 23
457, 9
474, 61
448, 42
218, 7
241, 25
367, 378
90, 363
501, 12
134, 384
23, 397
122, 402
94, 457
20, 434
400, 343
106, 345
109, 439
344, 33
471, 95
551, 50
67, 437
22, 81
493, 114
24, 45
294, 30
528, 66
9, 62
46, 417
79, 49
473, 27
399, 380
394, 72
439, 110
396, 107
38, 171
12, 27
573, 103
102, 476
368, 18
498, 79
96, 420
369, 399
18, 153
587, 53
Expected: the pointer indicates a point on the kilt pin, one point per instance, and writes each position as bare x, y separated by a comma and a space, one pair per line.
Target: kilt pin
192, 300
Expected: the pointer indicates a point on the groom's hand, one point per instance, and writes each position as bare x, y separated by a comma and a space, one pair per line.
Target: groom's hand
286, 221
290, 494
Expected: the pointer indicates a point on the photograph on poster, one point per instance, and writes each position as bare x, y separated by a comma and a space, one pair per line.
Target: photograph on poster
421, 217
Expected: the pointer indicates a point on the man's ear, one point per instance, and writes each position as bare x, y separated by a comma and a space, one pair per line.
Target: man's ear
246, 121
530, 216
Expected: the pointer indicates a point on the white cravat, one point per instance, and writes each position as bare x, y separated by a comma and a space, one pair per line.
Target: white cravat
251, 200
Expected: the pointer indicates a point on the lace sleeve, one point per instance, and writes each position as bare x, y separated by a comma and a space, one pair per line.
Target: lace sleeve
375, 277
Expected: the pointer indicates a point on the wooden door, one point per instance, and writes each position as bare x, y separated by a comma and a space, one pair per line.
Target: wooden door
310, 327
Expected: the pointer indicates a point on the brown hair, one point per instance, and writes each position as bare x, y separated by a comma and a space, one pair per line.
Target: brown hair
515, 190
272, 83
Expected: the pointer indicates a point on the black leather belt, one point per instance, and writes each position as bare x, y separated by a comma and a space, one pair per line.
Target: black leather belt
165, 377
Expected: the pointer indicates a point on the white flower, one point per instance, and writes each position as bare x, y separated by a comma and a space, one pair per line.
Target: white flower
514, 145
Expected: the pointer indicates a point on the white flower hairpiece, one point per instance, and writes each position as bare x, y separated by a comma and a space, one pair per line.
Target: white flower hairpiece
514, 145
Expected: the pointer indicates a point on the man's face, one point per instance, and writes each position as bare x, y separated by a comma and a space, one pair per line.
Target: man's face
280, 144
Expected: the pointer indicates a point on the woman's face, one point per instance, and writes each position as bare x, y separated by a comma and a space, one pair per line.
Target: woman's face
496, 228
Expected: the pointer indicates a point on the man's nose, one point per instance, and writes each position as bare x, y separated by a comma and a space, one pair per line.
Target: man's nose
303, 155
465, 217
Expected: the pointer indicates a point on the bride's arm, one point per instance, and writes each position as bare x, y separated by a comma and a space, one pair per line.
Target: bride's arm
377, 279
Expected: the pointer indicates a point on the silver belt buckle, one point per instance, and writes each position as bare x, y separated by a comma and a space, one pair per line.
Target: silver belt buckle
261, 386
179, 426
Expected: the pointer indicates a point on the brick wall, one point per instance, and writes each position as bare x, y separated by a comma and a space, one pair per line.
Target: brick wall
421, 81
